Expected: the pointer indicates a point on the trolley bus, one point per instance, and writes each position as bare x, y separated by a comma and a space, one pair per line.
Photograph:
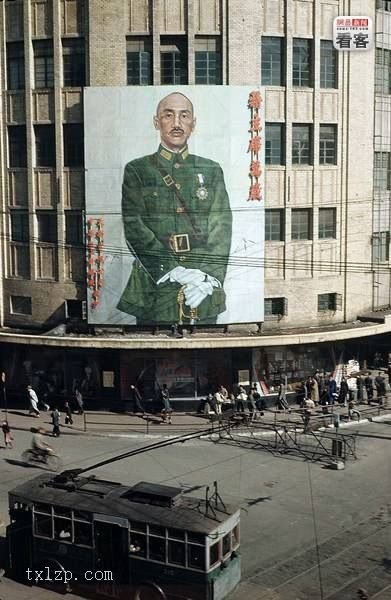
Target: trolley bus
103, 539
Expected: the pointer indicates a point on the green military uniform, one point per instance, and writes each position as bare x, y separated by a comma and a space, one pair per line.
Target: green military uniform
176, 212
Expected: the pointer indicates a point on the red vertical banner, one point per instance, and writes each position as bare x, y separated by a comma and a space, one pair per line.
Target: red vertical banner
255, 146
95, 259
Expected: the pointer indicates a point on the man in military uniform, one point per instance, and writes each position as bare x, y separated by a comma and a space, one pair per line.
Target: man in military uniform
178, 223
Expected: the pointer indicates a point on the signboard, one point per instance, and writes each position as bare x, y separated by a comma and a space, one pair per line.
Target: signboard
174, 205
352, 33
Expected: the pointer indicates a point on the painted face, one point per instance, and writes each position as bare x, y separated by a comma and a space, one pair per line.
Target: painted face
175, 121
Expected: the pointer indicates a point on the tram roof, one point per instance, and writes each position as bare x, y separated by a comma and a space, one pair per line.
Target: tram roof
146, 502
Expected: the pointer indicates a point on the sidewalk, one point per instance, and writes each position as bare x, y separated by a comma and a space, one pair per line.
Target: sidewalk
109, 424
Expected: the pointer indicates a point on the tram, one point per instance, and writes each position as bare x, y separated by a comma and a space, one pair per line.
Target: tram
102, 539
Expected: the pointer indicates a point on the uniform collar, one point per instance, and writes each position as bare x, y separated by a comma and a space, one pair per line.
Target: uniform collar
169, 156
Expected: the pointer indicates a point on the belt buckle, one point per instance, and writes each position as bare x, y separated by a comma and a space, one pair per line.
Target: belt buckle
179, 242
168, 180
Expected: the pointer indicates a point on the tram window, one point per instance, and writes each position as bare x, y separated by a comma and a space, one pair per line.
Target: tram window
195, 538
176, 553
176, 534
81, 515
196, 557
157, 549
137, 526
63, 529
235, 537
43, 508
83, 533
214, 554
156, 530
43, 525
138, 545
227, 544
62, 512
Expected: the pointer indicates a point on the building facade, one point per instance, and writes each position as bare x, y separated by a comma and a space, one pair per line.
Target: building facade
327, 186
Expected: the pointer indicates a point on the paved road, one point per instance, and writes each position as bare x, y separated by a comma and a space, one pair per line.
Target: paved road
349, 511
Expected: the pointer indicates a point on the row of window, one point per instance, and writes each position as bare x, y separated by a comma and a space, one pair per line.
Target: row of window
46, 227
384, 5
274, 60
74, 68
301, 224
302, 144
173, 62
278, 307
45, 145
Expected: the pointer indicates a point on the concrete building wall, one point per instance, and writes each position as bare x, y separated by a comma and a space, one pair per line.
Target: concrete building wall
299, 271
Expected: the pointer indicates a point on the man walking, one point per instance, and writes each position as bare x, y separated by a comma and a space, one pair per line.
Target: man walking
33, 399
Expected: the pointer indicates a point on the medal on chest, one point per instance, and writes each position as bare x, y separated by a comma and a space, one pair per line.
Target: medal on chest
201, 192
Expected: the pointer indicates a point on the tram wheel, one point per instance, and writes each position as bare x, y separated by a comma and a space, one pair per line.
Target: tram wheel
149, 591
51, 579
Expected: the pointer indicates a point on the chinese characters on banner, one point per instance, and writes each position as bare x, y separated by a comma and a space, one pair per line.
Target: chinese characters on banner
95, 259
254, 145
352, 33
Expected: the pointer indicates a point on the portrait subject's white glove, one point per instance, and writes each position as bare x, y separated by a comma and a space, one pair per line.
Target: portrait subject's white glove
196, 292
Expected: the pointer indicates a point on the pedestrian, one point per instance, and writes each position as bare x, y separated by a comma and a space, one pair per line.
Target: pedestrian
68, 414
252, 402
56, 422
331, 390
306, 421
33, 399
380, 387
282, 402
368, 382
343, 392
165, 402
219, 401
79, 400
241, 400
8, 438
136, 400
353, 411
314, 390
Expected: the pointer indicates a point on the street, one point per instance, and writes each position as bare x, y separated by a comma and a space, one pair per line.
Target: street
307, 532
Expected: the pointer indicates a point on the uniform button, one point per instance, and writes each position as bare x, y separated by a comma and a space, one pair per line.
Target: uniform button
155, 193
176, 166
181, 258
180, 209
178, 186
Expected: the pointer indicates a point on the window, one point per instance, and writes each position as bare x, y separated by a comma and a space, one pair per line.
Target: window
274, 144
74, 67
19, 226
329, 302
157, 549
301, 145
382, 171
383, 71
301, 224
274, 225
327, 223
208, 61
328, 65
47, 227
73, 228
176, 553
381, 246
384, 5
196, 557
21, 305
275, 307
43, 63
139, 61
302, 63
173, 62
73, 145
17, 146
45, 148
327, 144
214, 554
272, 67
15, 66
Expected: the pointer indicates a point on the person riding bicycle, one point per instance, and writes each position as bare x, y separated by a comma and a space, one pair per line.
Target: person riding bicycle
38, 445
